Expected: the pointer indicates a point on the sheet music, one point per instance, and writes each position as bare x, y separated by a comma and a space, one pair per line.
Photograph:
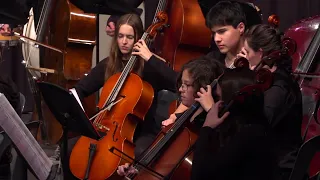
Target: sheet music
23, 139
75, 94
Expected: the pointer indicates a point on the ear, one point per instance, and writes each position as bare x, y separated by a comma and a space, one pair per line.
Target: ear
241, 27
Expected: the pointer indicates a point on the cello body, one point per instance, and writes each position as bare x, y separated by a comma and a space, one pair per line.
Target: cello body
121, 121
187, 37
175, 160
303, 33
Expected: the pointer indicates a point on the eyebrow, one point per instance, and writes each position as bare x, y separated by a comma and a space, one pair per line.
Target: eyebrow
126, 34
186, 82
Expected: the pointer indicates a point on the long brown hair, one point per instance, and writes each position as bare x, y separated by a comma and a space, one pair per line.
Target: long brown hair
114, 64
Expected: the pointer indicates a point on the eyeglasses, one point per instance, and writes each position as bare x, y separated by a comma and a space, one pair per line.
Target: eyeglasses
185, 87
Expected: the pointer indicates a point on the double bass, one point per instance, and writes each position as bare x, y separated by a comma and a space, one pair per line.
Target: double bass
58, 26
306, 33
185, 37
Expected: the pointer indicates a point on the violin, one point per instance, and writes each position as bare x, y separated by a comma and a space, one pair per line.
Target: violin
121, 109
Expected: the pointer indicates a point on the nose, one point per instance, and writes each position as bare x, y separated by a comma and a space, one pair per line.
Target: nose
124, 40
180, 89
217, 38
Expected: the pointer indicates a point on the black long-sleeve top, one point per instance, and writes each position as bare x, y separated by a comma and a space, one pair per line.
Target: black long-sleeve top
246, 156
155, 72
283, 110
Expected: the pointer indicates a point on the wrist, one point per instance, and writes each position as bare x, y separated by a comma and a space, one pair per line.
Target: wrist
148, 57
173, 116
207, 108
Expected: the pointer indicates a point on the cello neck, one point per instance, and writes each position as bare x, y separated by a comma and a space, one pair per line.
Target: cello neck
170, 134
43, 19
162, 4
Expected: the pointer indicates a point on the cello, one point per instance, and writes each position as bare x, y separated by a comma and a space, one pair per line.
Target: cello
306, 33
121, 109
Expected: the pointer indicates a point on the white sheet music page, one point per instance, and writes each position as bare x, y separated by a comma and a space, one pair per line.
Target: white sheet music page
75, 94
23, 139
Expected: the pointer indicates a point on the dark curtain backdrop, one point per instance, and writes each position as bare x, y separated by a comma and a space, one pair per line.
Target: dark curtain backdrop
289, 12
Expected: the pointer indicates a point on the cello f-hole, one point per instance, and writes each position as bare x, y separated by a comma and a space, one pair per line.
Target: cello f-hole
114, 132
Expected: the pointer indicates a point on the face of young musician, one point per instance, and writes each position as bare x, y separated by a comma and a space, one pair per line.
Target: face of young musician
125, 39
254, 57
228, 38
186, 89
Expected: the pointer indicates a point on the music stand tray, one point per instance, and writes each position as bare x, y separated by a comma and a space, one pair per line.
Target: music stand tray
68, 112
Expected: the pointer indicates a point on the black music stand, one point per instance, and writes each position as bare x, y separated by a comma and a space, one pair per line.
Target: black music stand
68, 112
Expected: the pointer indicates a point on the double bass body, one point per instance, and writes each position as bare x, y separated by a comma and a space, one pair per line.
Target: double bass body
187, 36
67, 28
303, 32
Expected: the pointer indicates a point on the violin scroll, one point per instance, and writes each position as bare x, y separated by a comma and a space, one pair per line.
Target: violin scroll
289, 47
263, 78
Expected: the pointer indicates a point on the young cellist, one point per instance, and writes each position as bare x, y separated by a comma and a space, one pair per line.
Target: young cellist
194, 74
126, 42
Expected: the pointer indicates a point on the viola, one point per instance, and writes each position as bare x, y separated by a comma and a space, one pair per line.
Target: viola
121, 109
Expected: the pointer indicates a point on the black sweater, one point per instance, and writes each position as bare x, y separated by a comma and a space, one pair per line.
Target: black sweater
155, 72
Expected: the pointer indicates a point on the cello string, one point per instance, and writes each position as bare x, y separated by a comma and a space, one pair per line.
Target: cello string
154, 150
119, 83
123, 75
